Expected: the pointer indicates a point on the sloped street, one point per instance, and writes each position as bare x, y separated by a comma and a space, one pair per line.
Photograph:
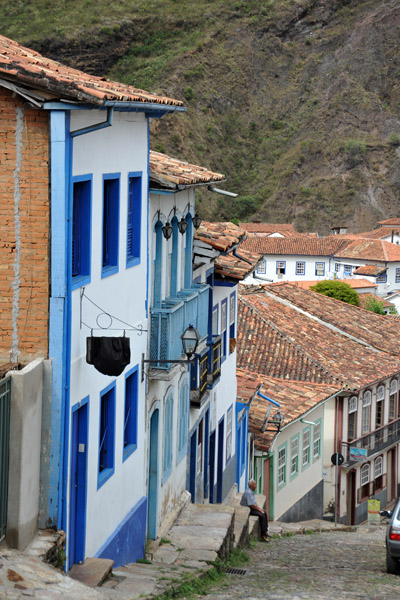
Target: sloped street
317, 566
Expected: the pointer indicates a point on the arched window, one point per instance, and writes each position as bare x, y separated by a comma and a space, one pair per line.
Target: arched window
352, 418
380, 396
365, 474
393, 399
168, 434
366, 412
157, 266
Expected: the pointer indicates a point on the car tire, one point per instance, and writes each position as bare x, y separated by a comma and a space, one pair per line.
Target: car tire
392, 565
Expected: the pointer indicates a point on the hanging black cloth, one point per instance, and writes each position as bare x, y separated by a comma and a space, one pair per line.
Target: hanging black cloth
109, 355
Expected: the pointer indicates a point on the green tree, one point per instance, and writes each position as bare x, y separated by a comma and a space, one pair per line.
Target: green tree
339, 290
374, 305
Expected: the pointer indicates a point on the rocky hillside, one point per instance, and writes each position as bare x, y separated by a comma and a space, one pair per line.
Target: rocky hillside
296, 101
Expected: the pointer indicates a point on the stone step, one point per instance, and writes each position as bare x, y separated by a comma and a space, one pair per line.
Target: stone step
93, 571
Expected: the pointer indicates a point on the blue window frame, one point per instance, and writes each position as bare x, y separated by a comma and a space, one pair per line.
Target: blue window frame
243, 452
214, 322
397, 277
130, 412
157, 267
381, 278
111, 185
320, 269
280, 267
189, 252
347, 269
183, 419
229, 434
81, 230
224, 326
173, 271
106, 434
134, 219
300, 267
168, 434
232, 313
337, 267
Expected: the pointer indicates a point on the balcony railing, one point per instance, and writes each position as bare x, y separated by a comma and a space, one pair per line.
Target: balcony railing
214, 360
199, 372
169, 321
376, 441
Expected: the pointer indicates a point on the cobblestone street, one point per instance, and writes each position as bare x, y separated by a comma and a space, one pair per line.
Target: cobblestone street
318, 566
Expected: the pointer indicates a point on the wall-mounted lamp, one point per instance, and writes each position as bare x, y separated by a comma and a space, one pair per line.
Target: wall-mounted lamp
167, 230
277, 420
182, 226
196, 221
190, 340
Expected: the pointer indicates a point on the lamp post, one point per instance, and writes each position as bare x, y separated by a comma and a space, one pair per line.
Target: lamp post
190, 340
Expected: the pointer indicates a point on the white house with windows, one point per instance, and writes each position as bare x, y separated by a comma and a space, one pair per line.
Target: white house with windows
178, 399
298, 259
352, 356
97, 135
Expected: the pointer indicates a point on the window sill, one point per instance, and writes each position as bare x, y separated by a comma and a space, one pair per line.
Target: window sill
79, 281
107, 271
104, 476
128, 450
132, 261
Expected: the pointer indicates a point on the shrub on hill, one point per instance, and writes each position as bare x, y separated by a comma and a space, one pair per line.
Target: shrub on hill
339, 290
374, 305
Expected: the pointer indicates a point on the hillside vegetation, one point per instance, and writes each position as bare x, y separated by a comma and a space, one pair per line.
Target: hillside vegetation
296, 101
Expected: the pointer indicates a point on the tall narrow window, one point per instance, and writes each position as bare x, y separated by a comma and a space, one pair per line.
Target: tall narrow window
183, 419
378, 474
317, 441
352, 419
320, 269
229, 434
262, 267
200, 447
366, 412
215, 320
224, 324
134, 219
130, 413
173, 266
306, 447
232, 307
380, 396
294, 456
106, 434
110, 225
189, 252
157, 265
282, 466
392, 399
81, 231
300, 267
168, 434
365, 478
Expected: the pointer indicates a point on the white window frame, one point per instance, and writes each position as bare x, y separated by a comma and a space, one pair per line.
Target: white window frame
282, 465
380, 393
300, 267
397, 276
378, 467
365, 474
306, 455
366, 412
317, 441
393, 398
229, 434
319, 266
262, 267
294, 456
353, 404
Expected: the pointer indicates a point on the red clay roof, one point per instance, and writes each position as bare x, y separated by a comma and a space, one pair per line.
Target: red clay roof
395, 221
353, 283
236, 266
268, 227
295, 397
370, 250
29, 68
377, 234
294, 245
221, 236
370, 270
171, 172
291, 333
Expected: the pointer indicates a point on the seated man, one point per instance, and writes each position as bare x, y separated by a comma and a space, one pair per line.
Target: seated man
249, 500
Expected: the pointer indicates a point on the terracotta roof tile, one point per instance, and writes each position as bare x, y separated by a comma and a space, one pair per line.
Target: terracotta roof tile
294, 245
291, 333
221, 236
237, 266
370, 250
268, 228
395, 221
370, 270
353, 283
171, 172
26, 67
295, 398
379, 233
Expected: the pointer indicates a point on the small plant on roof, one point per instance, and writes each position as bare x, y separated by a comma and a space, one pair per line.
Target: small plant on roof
339, 290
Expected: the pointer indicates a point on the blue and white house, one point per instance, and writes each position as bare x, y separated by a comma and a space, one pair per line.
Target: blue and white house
177, 392
98, 304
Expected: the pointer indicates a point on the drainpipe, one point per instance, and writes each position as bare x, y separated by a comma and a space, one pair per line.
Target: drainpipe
96, 126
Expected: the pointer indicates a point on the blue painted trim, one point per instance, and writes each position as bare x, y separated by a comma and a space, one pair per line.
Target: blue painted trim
228, 460
82, 280
105, 475
221, 283
174, 258
113, 268
274, 402
300, 262
147, 221
281, 262
60, 163
168, 192
168, 429
189, 252
319, 262
157, 289
183, 449
224, 333
232, 326
134, 402
126, 544
156, 110
135, 258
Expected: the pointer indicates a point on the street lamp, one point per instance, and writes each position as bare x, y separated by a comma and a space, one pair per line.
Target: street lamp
190, 340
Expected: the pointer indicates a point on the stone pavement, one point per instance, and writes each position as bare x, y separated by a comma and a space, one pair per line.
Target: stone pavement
200, 535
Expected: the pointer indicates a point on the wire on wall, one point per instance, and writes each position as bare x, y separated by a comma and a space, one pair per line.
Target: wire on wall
110, 319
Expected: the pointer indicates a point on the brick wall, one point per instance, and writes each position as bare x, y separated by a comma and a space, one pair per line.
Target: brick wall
24, 230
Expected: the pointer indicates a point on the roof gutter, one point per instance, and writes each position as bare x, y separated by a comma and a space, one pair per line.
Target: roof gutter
223, 192
240, 257
97, 126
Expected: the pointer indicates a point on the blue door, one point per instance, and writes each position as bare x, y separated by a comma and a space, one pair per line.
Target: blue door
193, 463
206, 451
220, 464
212, 466
153, 478
78, 482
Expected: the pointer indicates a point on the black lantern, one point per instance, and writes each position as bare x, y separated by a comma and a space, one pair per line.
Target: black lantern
182, 225
190, 339
196, 221
167, 230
